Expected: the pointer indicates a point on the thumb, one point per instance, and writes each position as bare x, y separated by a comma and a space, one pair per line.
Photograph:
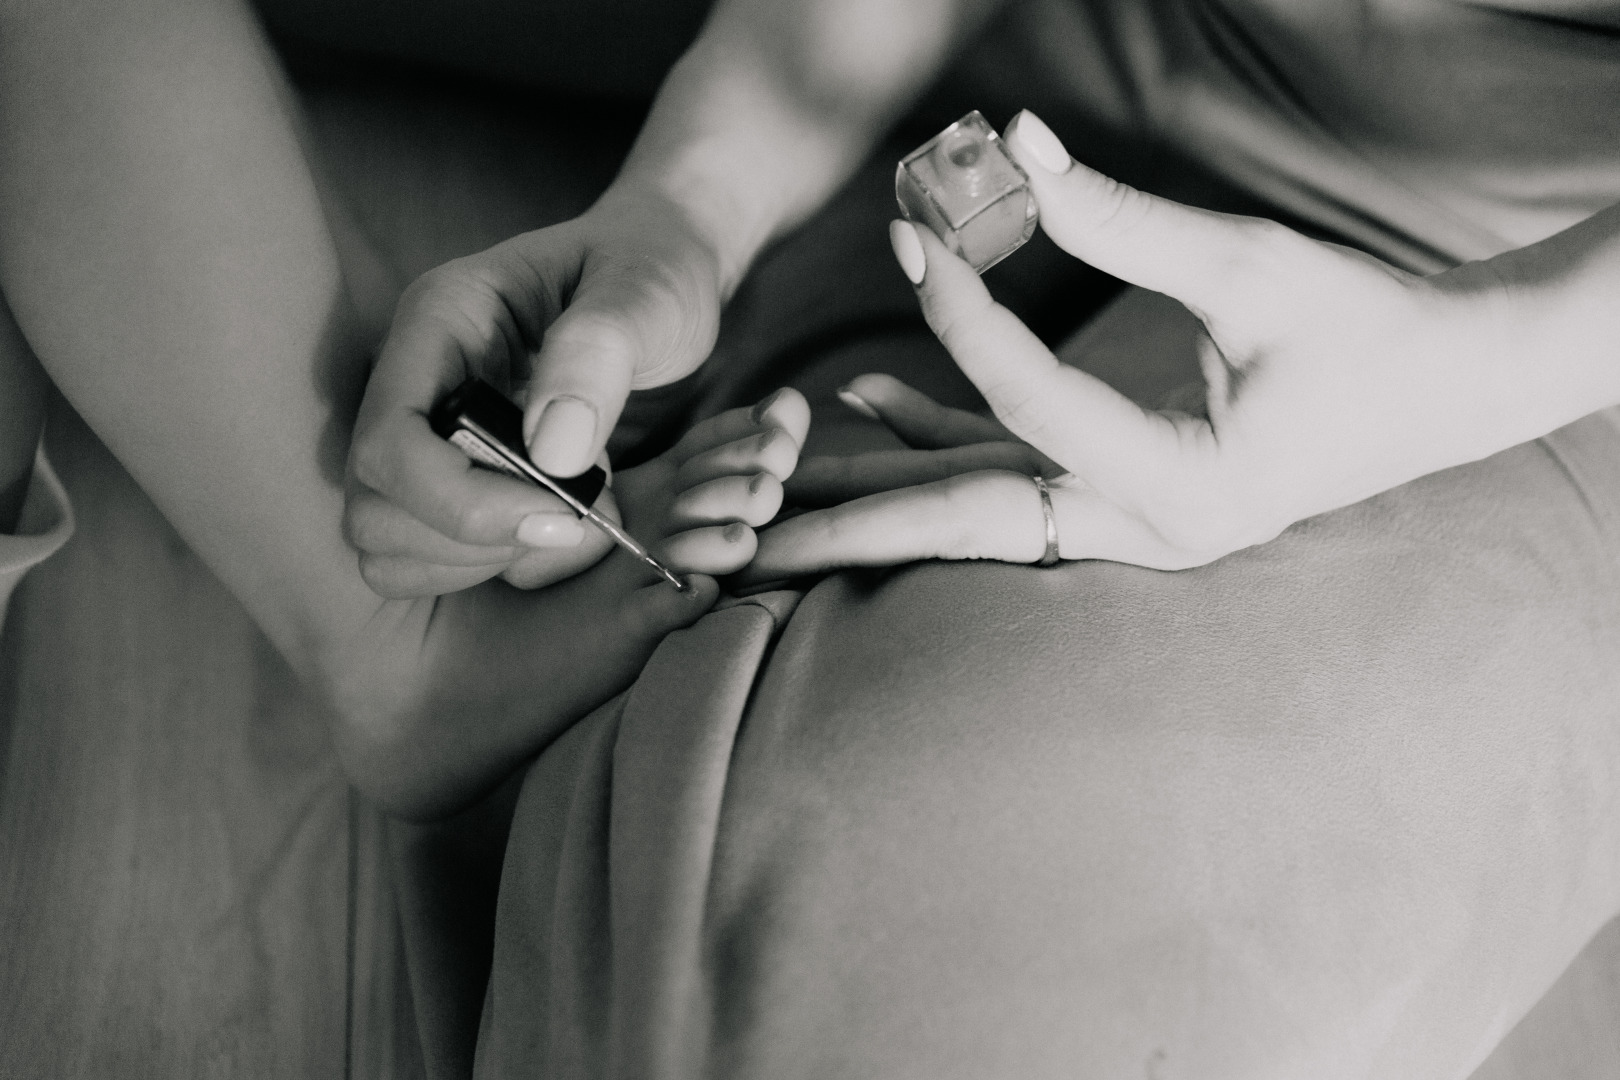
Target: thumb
626, 327
1199, 257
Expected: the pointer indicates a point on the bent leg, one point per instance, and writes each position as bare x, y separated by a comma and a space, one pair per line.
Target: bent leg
1343, 805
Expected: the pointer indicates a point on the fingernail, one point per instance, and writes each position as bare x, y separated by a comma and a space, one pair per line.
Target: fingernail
756, 483
763, 406
1045, 147
908, 250
858, 403
562, 439
550, 531
735, 532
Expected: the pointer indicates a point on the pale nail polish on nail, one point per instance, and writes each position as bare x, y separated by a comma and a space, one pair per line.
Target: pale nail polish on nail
763, 406
1043, 145
858, 403
562, 439
550, 531
908, 250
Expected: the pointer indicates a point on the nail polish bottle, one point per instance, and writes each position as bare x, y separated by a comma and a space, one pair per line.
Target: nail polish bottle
964, 186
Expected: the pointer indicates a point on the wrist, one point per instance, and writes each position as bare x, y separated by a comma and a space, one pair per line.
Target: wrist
736, 153
1553, 323
696, 236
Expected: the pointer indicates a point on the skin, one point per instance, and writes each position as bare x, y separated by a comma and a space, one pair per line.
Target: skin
758, 124
130, 198
1328, 377
1332, 376
172, 261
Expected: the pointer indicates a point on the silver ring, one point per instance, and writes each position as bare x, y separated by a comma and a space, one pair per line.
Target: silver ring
1051, 556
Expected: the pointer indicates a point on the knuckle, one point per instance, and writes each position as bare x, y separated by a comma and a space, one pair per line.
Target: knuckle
372, 461
463, 299
662, 318
381, 577
474, 523
1120, 207
1022, 408
358, 528
959, 513
1203, 524
1269, 251
956, 319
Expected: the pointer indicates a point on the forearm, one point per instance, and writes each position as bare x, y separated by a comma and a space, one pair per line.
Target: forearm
778, 101
1559, 341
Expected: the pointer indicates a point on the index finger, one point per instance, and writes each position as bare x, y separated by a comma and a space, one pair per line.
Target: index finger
1074, 418
402, 460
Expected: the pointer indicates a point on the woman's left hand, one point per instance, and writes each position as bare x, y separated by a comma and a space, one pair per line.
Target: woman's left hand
1330, 377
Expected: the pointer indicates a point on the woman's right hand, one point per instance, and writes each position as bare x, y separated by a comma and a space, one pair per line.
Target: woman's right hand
571, 318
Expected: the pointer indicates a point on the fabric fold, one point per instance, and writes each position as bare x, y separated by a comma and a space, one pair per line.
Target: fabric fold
44, 526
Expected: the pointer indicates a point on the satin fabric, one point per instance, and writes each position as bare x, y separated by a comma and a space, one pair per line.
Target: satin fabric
1429, 132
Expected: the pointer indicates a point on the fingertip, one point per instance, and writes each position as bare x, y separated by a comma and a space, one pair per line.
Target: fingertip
789, 411
858, 404
562, 435
879, 391
711, 549
908, 250
658, 608
1036, 144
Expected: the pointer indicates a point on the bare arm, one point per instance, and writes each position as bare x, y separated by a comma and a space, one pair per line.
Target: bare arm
777, 103
163, 246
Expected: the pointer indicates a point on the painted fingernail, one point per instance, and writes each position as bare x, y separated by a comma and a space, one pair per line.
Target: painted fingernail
562, 439
763, 406
1045, 147
858, 403
735, 532
908, 250
757, 483
550, 531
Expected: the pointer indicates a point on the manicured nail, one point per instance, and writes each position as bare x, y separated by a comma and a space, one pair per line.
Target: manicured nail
735, 532
1045, 147
908, 250
858, 403
757, 483
554, 530
763, 406
562, 440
